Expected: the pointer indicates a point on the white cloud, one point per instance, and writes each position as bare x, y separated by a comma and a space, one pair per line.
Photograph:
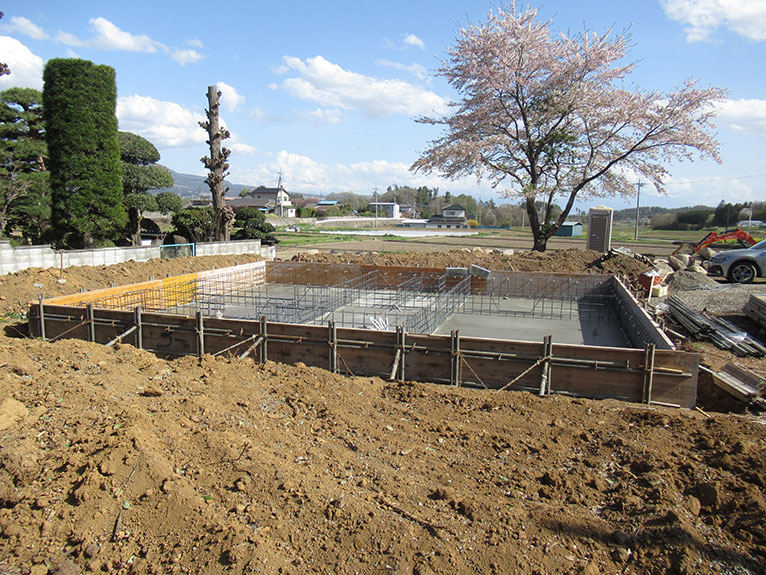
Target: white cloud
322, 116
186, 56
27, 27
417, 70
303, 174
412, 40
702, 17
242, 149
195, 43
107, 36
321, 81
747, 116
26, 67
70, 39
230, 98
165, 124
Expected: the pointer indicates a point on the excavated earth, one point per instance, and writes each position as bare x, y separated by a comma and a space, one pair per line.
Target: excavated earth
113, 460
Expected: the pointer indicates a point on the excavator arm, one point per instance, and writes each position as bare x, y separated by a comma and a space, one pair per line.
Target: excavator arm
740, 235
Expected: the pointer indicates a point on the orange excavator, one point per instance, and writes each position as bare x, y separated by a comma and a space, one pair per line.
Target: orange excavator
745, 239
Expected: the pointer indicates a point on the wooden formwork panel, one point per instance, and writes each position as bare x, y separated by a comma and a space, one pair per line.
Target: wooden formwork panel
581, 370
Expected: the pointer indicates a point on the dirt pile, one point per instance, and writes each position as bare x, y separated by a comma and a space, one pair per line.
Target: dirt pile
571, 261
113, 460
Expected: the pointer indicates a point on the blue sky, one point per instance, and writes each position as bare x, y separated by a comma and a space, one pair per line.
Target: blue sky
326, 92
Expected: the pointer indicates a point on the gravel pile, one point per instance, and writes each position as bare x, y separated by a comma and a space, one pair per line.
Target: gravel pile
687, 280
720, 300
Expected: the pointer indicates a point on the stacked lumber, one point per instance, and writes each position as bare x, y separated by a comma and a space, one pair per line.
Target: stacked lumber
722, 333
739, 382
755, 309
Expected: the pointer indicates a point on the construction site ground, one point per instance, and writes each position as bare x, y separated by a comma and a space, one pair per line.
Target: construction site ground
115, 460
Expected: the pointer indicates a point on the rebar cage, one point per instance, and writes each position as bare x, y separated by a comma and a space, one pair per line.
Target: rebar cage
367, 297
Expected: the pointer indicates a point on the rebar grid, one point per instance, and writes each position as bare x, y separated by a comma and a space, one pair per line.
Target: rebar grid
353, 297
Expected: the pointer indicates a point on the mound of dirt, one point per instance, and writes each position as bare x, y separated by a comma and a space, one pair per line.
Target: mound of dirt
571, 261
113, 460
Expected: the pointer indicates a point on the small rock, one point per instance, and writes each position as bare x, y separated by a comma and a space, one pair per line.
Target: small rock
706, 253
676, 263
151, 392
91, 550
11, 411
621, 555
38, 570
693, 505
66, 568
591, 569
708, 494
12, 530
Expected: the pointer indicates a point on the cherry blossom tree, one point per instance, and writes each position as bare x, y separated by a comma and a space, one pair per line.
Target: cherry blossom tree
552, 117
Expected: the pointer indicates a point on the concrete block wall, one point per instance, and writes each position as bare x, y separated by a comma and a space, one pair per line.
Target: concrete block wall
13, 259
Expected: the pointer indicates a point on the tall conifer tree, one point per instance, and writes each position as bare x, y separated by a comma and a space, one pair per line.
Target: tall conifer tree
79, 100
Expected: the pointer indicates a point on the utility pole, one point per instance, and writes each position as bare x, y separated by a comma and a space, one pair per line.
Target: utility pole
376, 206
639, 185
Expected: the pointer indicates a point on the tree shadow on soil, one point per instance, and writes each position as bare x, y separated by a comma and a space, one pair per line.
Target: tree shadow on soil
659, 536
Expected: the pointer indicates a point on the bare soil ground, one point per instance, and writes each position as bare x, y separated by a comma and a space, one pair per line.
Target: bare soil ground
114, 460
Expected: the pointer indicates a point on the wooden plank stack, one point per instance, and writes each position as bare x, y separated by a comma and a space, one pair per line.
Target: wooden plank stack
755, 309
722, 333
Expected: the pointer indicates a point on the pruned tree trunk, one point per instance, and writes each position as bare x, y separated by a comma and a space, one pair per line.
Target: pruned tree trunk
134, 222
217, 166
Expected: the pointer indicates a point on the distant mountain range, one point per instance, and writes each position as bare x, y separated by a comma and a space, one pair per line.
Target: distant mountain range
190, 186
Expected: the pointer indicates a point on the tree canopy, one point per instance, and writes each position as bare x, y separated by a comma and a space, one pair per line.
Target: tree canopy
550, 115
22, 154
79, 100
139, 174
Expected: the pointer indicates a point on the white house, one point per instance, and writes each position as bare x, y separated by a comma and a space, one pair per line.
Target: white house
269, 200
386, 209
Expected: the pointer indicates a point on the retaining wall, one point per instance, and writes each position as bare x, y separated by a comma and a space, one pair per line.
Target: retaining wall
13, 259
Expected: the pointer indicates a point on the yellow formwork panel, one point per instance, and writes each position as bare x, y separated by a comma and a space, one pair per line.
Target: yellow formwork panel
152, 294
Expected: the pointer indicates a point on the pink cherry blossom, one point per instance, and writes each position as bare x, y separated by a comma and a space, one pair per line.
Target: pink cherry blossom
552, 116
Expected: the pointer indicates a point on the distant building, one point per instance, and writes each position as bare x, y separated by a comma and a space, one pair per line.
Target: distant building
569, 230
751, 224
268, 200
323, 205
453, 216
385, 209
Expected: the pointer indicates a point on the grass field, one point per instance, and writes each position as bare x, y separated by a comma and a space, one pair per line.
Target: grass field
621, 232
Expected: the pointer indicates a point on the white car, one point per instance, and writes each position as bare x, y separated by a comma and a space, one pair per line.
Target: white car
740, 266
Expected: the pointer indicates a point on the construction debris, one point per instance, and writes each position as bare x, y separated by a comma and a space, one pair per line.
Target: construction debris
740, 383
755, 309
722, 333
614, 252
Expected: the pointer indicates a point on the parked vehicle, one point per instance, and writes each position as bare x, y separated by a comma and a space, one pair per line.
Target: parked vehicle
740, 266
